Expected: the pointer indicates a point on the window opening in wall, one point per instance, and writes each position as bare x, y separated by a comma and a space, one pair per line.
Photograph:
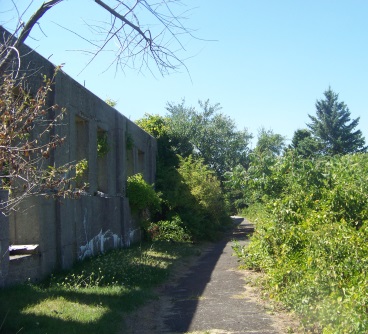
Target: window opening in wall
103, 149
81, 151
141, 162
129, 143
102, 143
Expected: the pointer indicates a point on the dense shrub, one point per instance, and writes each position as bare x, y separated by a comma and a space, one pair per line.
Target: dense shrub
204, 197
142, 196
313, 243
190, 190
169, 230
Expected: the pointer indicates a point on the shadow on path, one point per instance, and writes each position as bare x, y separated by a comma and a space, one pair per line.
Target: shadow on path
203, 298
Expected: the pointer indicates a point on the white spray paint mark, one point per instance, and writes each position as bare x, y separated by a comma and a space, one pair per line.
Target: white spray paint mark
97, 244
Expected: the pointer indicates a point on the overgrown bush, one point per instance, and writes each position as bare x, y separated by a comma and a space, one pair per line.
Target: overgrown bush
203, 206
313, 243
204, 186
169, 230
190, 189
142, 196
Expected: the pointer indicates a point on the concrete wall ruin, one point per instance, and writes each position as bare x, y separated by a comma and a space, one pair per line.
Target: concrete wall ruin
70, 230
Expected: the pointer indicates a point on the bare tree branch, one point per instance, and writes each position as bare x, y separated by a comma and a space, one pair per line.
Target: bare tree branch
158, 41
27, 140
5, 60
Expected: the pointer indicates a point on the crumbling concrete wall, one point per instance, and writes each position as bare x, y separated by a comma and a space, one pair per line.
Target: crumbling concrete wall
71, 229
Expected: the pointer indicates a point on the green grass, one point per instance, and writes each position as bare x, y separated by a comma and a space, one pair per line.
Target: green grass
94, 295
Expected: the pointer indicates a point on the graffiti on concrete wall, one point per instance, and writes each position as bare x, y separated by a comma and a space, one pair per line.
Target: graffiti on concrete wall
99, 243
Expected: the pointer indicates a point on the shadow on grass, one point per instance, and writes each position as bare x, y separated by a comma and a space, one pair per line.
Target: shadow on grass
108, 305
57, 309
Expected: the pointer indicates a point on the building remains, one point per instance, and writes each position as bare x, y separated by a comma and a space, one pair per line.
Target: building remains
44, 235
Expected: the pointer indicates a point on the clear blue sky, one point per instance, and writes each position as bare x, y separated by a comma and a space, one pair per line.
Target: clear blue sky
270, 62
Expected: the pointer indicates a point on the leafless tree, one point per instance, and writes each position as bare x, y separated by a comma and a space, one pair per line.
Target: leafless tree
27, 141
137, 42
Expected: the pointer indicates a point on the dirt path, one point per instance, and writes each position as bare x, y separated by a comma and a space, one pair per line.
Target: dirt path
209, 296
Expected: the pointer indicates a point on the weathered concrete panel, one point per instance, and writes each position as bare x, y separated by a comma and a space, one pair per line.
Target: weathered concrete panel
24, 268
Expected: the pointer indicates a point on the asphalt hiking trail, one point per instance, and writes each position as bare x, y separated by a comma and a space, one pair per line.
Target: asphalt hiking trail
211, 296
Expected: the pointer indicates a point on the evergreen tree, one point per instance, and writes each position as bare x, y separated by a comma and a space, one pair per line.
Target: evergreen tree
305, 144
333, 128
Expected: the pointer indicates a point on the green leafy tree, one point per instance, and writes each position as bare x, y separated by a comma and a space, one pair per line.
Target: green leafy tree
333, 128
213, 135
263, 158
204, 194
234, 185
155, 125
269, 142
168, 145
312, 240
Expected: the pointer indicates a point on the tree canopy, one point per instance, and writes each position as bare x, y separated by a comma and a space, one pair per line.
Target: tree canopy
213, 135
333, 128
269, 142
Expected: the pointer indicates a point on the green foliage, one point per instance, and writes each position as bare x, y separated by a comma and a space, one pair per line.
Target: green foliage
205, 195
269, 143
102, 144
142, 196
169, 230
190, 189
212, 136
305, 144
203, 184
312, 241
111, 102
167, 144
258, 181
193, 193
81, 168
155, 125
332, 127
234, 189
